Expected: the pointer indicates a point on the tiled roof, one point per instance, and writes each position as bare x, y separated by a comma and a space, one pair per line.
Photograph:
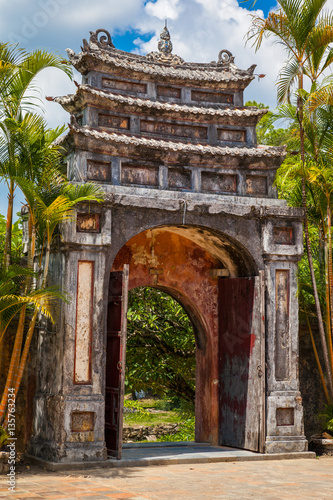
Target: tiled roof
260, 151
189, 71
70, 102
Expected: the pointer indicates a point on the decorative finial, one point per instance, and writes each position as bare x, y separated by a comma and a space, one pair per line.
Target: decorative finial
164, 44
164, 54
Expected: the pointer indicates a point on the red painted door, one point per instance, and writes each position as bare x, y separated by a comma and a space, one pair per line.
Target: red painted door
242, 362
115, 361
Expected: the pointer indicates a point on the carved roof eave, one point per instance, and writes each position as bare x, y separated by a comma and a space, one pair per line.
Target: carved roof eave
86, 138
112, 60
88, 95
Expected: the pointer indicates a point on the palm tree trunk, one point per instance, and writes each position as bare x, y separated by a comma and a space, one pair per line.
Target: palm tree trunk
14, 363
31, 329
330, 276
327, 298
308, 244
9, 223
315, 294
16, 355
23, 359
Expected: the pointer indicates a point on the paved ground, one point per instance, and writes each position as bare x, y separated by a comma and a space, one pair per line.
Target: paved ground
285, 479
181, 451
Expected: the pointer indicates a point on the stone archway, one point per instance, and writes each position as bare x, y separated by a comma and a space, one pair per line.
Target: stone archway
188, 262
174, 152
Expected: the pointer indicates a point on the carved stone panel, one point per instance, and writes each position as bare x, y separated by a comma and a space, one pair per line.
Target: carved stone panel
98, 171
173, 129
125, 86
218, 183
285, 416
213, 97
256, 185
83, 330
224, 134
165, 91
110, 121
282, 337
139, 175
87, 223
179, 178
283, 235
82, 421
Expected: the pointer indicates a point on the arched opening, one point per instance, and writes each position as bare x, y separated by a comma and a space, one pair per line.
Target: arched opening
190, 263
160, 368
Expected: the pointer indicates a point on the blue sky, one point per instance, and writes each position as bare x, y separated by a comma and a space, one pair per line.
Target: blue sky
199, 30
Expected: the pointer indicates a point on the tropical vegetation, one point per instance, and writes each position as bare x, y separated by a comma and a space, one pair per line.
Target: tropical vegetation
160, 353
31, 160
305, 30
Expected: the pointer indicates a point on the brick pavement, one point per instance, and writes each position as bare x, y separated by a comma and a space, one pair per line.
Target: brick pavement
285, 479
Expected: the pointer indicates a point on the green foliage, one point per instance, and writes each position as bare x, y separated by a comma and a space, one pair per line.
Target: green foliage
136, 407
267, 133
184, 408
186, 432
17, 244
160, 345
326, 417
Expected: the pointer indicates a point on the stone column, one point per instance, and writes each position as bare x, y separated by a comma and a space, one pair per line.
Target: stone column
69, 402
282, 244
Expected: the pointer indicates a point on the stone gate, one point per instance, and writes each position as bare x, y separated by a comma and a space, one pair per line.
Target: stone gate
189, 207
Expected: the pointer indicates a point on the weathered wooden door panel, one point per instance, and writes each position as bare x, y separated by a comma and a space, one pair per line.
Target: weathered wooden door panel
115, 361
242, 362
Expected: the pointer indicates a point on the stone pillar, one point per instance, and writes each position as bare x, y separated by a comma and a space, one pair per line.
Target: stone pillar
69, 402
282, 244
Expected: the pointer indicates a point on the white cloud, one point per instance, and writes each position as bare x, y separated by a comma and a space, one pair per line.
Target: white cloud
93, 15
164, 9
201, 28
54, 83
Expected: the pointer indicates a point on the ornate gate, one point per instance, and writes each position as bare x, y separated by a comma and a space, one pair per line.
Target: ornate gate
115, 361
242, 362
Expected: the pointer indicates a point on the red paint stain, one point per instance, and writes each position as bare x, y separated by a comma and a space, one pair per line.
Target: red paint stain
186, 271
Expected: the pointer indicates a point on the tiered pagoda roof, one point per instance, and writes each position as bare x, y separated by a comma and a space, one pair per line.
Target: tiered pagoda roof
161, 111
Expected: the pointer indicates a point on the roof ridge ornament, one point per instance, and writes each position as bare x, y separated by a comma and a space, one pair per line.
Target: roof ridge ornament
225, 57
164, 55
102, 42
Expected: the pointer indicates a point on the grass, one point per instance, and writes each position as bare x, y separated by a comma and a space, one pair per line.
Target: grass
152, 412
149, 412
168, 417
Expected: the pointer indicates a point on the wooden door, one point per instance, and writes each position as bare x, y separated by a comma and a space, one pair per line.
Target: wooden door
115, 361
242, 362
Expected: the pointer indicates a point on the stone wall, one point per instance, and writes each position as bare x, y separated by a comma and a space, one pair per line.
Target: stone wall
310, 384
148, 432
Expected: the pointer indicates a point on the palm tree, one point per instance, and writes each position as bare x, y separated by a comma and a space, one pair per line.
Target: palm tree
49, 214
18, 70
305, 32
50, 200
